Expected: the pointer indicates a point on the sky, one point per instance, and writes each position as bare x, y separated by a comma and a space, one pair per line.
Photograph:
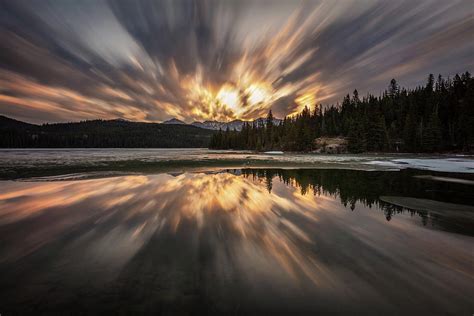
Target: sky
66, 60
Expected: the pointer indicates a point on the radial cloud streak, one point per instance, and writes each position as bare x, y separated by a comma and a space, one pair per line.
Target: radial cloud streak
217, 60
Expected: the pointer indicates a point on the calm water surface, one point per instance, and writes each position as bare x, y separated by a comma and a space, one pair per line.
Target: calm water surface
239, 241
27, 163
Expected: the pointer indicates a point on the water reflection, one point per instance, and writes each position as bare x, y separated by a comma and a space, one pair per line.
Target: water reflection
445, 205
232, 241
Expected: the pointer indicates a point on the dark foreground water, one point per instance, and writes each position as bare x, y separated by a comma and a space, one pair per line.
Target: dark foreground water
239, 241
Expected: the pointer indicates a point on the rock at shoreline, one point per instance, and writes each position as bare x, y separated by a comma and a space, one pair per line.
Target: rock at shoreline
330, 145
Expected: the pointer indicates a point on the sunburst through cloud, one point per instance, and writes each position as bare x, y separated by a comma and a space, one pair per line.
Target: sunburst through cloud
216, 60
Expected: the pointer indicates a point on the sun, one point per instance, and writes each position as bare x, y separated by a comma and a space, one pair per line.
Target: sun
232, 96
257, 94
229, 96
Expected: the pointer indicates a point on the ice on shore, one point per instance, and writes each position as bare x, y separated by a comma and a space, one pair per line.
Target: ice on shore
32, 161
446, 179
433, 164
432, 206
275, 152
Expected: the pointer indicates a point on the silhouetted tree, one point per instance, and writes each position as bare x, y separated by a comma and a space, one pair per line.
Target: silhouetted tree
435, 117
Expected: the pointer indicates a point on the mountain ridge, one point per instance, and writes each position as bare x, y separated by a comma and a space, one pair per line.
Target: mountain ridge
208, 124
101, 134
174, 121
232, 125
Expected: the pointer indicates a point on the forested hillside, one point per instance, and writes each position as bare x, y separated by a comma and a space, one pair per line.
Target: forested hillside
99, 133
438, 116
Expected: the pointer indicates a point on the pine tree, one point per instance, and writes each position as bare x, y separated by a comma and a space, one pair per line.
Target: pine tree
432, 134
393, 89
269, 131
430, 83
357, 138
377, 138
410, 132
436, 116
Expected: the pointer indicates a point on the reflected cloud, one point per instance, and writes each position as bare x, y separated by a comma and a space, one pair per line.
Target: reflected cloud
262, 233
250, 216
140, 206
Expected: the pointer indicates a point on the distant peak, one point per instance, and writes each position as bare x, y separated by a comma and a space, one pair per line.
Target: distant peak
174, 121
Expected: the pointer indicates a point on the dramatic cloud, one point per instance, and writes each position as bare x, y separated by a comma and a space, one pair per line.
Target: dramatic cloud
200, 60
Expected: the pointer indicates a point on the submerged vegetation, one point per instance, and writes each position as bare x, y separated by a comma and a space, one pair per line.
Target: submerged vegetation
436, 117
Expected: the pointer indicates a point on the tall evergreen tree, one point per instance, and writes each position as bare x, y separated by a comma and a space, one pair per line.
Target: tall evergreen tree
434, 117
432, 134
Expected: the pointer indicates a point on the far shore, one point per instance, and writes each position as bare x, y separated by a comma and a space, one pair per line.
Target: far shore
371, 153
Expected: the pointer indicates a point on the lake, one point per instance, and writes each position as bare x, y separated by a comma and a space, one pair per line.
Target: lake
197, 231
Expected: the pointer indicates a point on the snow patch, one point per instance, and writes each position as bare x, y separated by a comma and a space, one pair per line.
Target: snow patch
273, 152
441, 165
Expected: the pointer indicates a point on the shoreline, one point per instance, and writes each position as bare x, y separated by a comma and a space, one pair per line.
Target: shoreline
25, 164
267, 152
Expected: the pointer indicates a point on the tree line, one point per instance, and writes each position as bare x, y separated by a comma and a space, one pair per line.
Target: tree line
101, 134
438, 116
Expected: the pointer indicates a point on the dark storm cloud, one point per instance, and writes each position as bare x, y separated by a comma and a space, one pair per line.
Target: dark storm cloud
152, 60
